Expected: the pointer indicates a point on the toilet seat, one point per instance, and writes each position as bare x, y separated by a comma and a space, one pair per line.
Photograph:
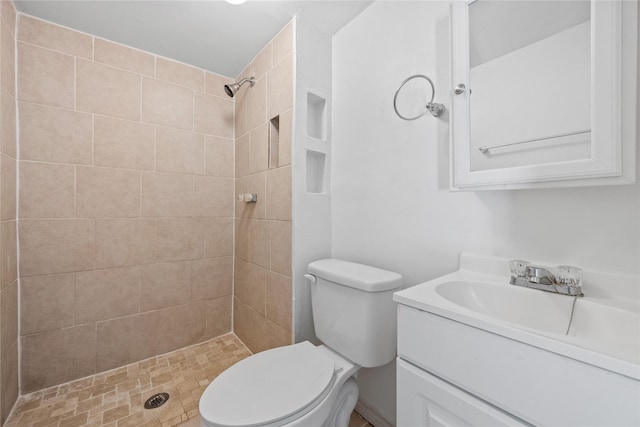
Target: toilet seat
269, 387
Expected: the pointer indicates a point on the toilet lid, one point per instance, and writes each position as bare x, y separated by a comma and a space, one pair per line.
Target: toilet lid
268, 386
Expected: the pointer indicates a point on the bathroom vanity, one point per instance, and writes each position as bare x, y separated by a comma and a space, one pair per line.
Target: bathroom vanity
475, 350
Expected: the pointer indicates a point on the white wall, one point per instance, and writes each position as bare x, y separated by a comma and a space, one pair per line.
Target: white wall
391, 206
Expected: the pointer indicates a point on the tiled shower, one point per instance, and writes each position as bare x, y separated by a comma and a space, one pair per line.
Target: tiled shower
132, 242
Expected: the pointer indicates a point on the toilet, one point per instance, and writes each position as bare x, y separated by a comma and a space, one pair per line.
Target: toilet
307, 385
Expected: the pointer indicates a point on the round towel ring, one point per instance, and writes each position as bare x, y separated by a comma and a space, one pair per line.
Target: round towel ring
434, 108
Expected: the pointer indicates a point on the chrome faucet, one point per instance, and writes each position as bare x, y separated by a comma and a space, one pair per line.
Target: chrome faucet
568, 282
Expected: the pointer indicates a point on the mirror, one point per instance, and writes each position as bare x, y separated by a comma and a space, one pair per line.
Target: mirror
539, 94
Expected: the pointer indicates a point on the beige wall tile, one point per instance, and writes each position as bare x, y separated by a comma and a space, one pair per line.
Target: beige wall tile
243, 155
55, 135
281, 247
279, 300
8, 123
7, 188
8, 13
123, 144
7, 59
218, 236
259, 151
9, 251
250, 285
280, 87
55, 37
214, 115
181, 74
179, 239
167, 104
255, 183
46, 77
240, 115
283, 43
263, 62
165, 285
118, 290
218, 317
179, 151
8, 316
56, 246
276, 336
106, 90
219, 157
125, 242
249, 326
125, 340
72, 351
213, 196
279, 193
285, 130
107, 192
46, 303
214, 83
242, 238
183, 326
124, 57
47, 190
10, 368
212, 278
257, 104
259, 243
167, 195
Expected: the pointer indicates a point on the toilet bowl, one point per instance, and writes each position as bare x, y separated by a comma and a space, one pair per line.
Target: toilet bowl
304, 385
297, 385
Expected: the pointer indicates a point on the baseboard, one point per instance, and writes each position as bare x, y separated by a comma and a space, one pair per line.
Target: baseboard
372, 415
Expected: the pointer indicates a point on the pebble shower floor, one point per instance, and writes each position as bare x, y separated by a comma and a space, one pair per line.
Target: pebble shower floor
115, 398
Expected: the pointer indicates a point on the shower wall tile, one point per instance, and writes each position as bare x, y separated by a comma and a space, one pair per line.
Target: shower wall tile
107, 192
242, 239
165, 285
48, 190
57, 356
179, 151
124, 242
214, 83
8, 12
219, 157
9, 315
250, 285
259, 149
56, 246
167, 195
46, 77
118, 290
107, 90
285, 130
167, 104
243, 155
259, 250
279, 300
257, 104
262, 62
211, 278
283, 43
47, 303
55, 37
56, 135
181, 74
279, 193
281, 247
280, 87
127, 193
9, 373
214, 115
123, 144
124, 57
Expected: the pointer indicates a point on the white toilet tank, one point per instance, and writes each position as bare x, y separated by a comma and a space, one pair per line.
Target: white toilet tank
353, 310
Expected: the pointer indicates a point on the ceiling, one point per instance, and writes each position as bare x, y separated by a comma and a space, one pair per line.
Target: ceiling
211, 34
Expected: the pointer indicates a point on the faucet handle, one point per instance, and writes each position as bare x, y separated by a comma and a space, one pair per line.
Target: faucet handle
569, 275
518, 267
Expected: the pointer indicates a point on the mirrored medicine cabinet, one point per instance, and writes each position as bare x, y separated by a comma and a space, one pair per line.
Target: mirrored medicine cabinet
544, 93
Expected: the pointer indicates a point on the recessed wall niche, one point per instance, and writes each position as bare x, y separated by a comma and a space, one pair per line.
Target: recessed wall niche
274, 142
316, 116
315, 172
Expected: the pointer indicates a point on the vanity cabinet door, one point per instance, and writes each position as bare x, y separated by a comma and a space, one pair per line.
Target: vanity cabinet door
425, 400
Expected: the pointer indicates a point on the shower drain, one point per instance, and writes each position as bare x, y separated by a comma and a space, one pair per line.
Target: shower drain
156, 401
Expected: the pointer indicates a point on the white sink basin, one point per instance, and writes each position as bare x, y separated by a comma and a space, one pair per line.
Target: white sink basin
605, 330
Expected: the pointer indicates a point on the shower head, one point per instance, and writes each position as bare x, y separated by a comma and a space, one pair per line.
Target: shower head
233, 88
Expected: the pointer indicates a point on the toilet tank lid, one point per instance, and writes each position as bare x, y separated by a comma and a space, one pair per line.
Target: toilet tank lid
358, 276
